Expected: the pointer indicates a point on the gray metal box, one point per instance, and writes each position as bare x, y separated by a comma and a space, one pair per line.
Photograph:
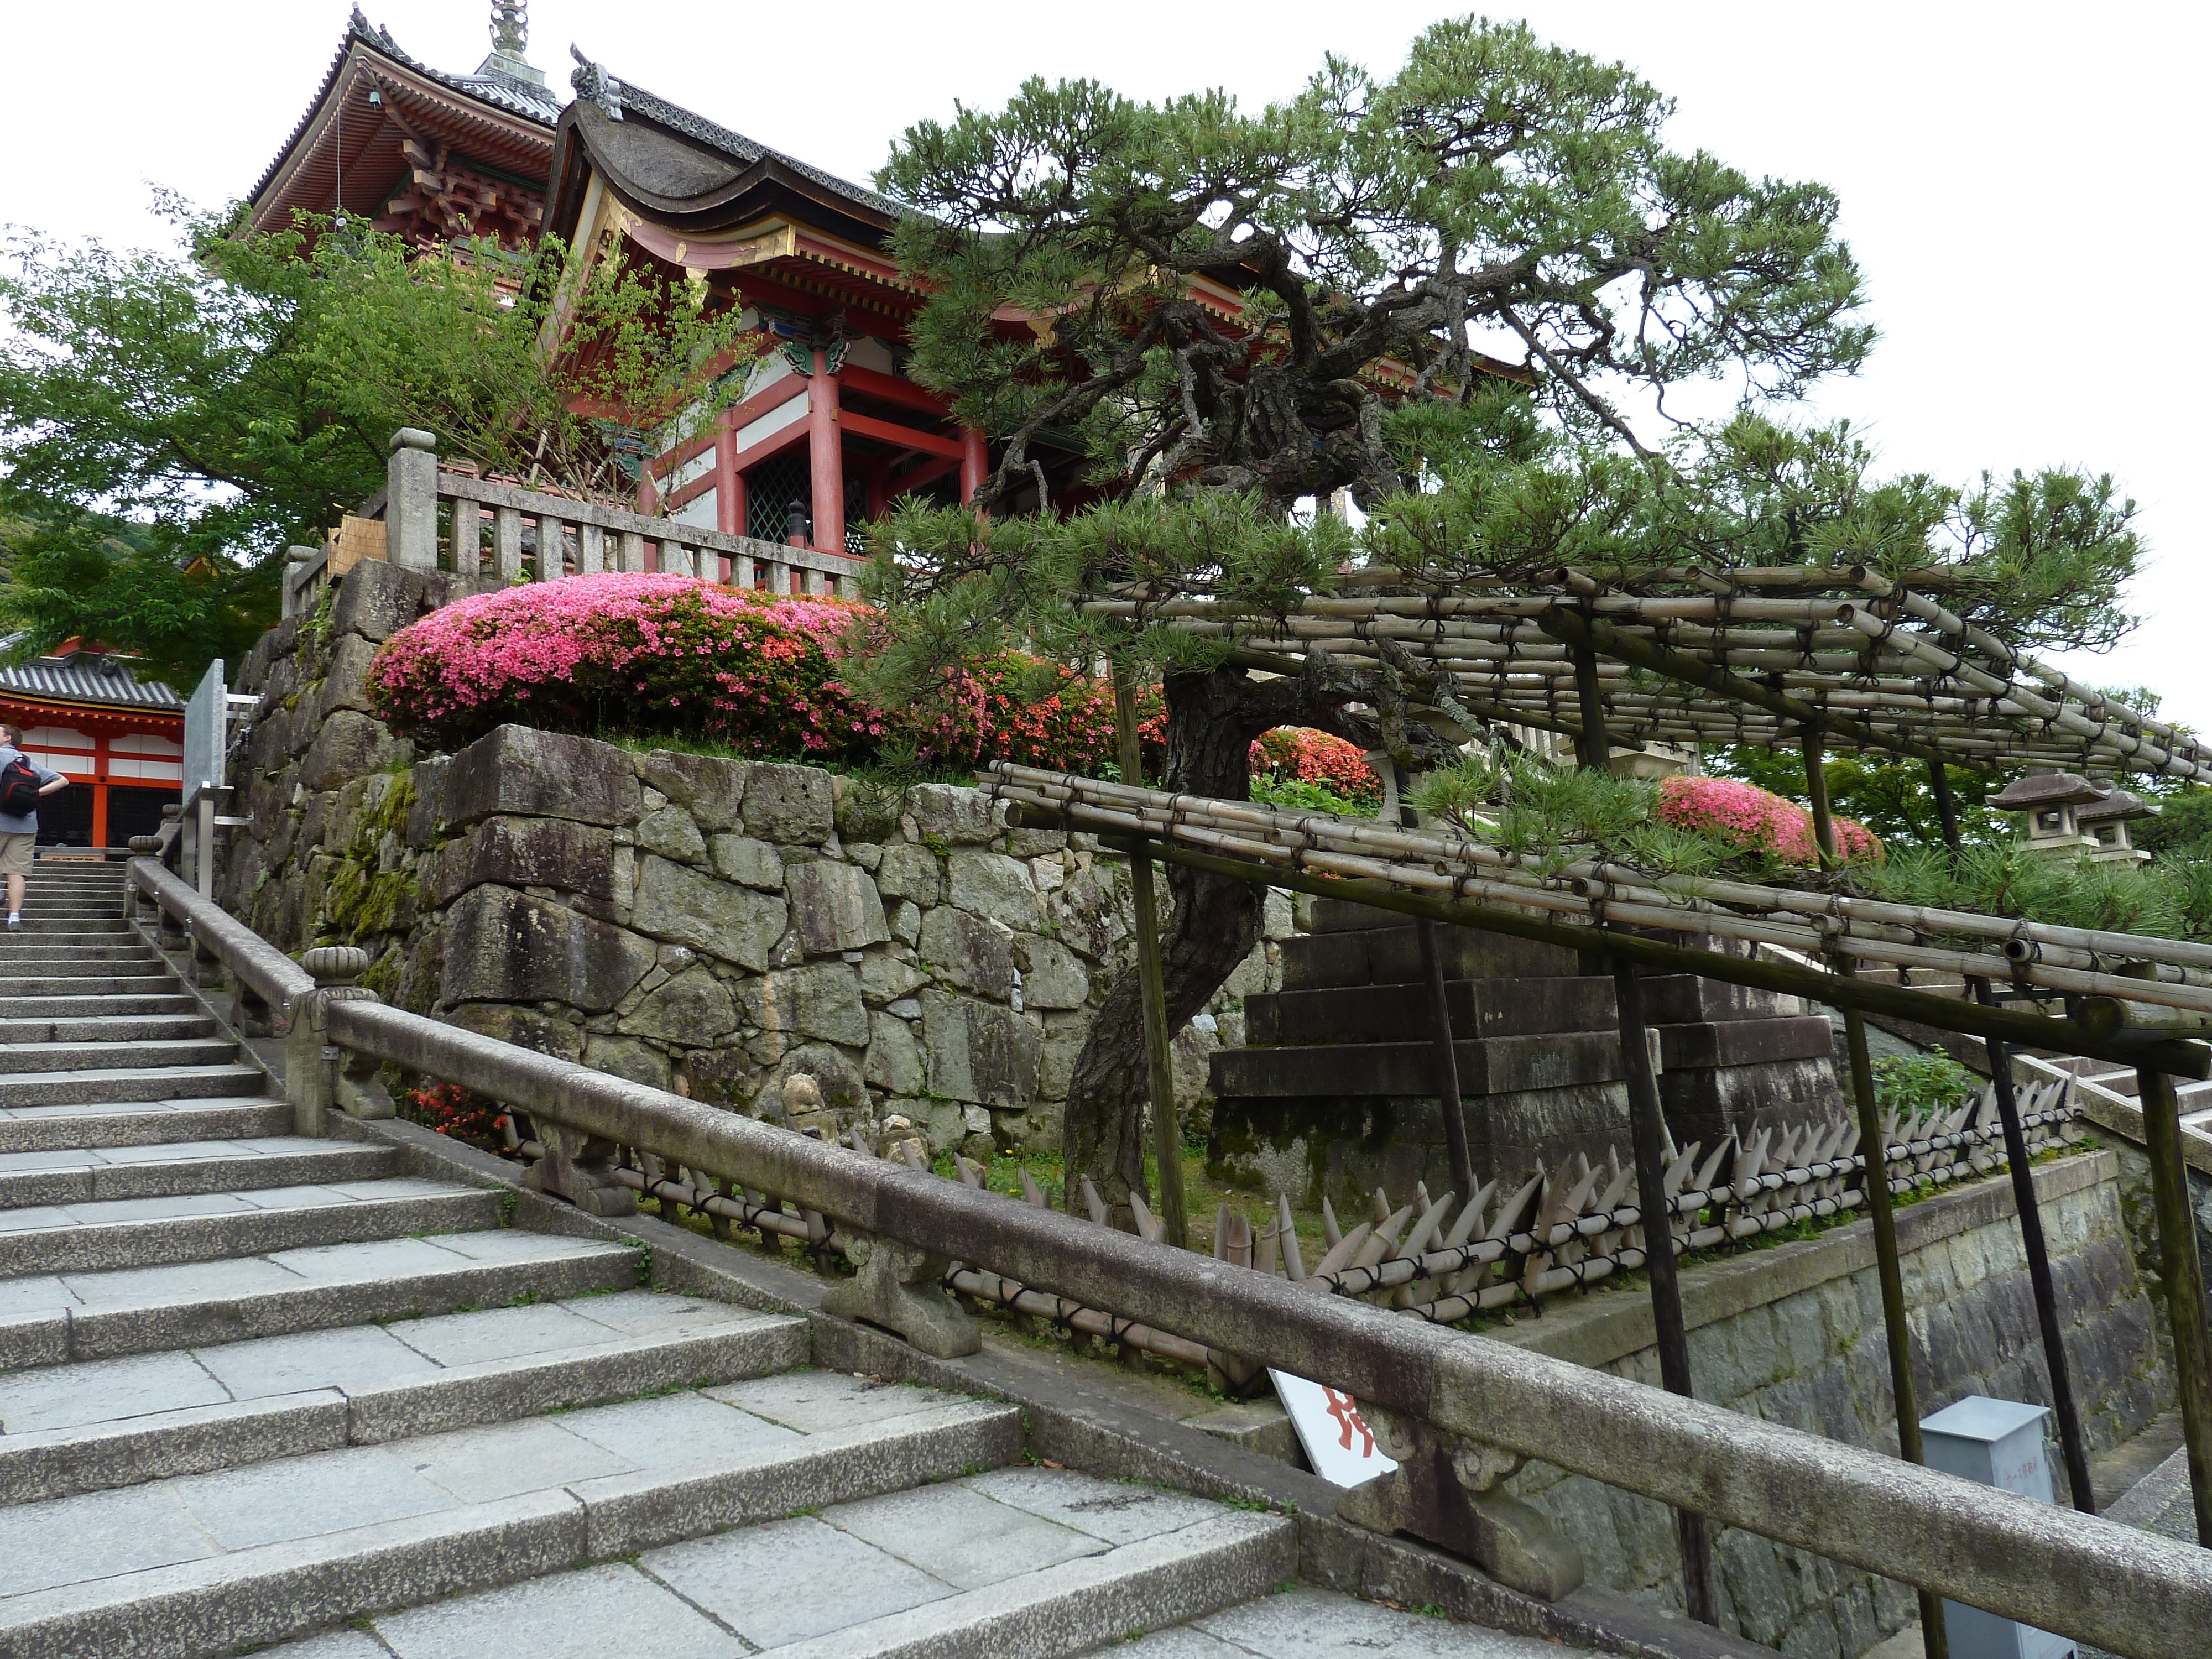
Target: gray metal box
1998, 1443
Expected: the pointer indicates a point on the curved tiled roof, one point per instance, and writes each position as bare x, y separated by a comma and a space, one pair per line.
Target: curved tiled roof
102, 680
539, 105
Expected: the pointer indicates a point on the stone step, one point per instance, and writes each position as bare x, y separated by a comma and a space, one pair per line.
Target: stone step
55, 1058
14, 951
1385, 1013
1392, 956
72, 1007
141, 1122
95, 1426
205, 1565
147, 1232
98, 926
88, 1175
99, 979
1687, 999
127, 1083
109, 1027
1744, 1042
1016, 1563
52, 1319
1487, 1065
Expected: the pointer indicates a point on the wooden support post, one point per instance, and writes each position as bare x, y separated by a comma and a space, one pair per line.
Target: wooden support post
1888, 1266
1151, 984
2184, 1270
2072, 1445
1448, 1102
1648, 1133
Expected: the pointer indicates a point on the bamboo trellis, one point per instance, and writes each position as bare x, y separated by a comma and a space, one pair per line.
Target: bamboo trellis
2170, 973
1878, 664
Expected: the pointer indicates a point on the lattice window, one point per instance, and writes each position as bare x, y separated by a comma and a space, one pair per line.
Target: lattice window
771, 487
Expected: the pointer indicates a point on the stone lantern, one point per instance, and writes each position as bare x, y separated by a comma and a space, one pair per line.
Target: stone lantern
2105, 822
2069, 816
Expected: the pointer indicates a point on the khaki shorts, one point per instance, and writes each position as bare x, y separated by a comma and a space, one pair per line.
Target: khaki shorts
15, 853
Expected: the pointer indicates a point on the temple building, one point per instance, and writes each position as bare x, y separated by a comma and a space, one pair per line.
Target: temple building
119, 743
416, 152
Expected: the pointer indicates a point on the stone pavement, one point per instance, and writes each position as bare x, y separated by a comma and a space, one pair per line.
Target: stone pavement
257, 1389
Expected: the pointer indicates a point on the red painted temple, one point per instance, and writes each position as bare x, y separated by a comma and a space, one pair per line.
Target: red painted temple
119, 743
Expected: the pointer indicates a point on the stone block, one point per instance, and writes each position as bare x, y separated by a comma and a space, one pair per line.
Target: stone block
1053, 976
821, 999
911, 872
377, 598
691, 1010
345, 677
866, 811
676, 901
1034, 843
525, 1028
894, 1062
993, 885
1088, 913
427, 813
834, 907
514, 851
789, 804
671, 833
622, 1056
1064, 1038
844, 1092
753, 863
886, 978
967, 952
980, 1052
505, 946
710, 788
951, 814
351, 745
521, 769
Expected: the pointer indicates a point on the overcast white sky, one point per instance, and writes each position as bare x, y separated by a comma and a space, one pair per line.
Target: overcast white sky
2023, 183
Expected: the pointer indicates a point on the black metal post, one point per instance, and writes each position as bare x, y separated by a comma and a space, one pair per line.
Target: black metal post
1151, 984
2072, 1446
1874, 1145
1648, 1133
2184, 1282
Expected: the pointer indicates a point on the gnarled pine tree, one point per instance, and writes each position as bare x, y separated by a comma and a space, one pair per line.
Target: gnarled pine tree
1178, 322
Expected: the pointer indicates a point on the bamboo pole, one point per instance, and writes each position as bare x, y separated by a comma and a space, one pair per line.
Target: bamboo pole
1151, 984
1448, 1102
1648, 1130
1888, 1263
2184, 1271
2072, 1445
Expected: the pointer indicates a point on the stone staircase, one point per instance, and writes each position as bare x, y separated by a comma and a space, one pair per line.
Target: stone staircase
255, 1387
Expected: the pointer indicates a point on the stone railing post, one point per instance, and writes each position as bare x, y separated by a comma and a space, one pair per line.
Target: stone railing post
319, 1075
410, 502
296, 559
580, 1168
202, 967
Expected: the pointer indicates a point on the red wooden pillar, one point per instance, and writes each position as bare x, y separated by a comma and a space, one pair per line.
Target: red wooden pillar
975, 464
825, 451
100, 789
729, 488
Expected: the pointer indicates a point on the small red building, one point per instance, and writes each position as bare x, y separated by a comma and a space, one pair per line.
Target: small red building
119, 742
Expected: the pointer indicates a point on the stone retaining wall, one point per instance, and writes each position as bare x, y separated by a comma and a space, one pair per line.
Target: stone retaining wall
708, 925
1794, 1334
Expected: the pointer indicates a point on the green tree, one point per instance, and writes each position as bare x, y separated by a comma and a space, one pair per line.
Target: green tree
235, 394
1374, 238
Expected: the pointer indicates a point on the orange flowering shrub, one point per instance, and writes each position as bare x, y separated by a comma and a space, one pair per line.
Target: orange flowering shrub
1750, 818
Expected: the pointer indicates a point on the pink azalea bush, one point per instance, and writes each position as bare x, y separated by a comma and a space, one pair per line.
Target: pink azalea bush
1749, 817
668, 653
1298, 754
630, 652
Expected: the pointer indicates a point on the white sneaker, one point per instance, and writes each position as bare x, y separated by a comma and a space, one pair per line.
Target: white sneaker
14, 924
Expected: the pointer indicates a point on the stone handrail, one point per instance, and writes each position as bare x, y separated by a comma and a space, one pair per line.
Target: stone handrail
593, 536
2080, 1575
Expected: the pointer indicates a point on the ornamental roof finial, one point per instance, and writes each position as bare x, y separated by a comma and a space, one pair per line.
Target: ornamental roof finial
510, 27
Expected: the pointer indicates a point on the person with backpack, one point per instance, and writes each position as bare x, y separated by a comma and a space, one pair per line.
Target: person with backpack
22, 782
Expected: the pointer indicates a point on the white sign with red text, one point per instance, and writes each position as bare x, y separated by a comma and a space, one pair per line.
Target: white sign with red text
1337, 1442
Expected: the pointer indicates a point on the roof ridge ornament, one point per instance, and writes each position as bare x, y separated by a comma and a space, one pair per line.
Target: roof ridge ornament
594, 84
510, 27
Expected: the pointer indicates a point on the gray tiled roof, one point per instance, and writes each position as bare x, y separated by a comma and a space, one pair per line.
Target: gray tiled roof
100, 680
636, 101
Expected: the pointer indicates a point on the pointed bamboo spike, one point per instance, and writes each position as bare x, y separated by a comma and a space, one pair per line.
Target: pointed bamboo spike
1265, 1254
1579, 1167
1093, 1205
912, 1153
1615, 1189
1679, 1167
1426, 1228
1147, 1226
971, 1173
1470, 1216
1240, 1239
1341, 1253
1221, 1231
1382, 1202
1382, 1243
1331, 1234
1294, 1264
1510, 1214
1036, 1196
1704, 1182
1421, 1196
